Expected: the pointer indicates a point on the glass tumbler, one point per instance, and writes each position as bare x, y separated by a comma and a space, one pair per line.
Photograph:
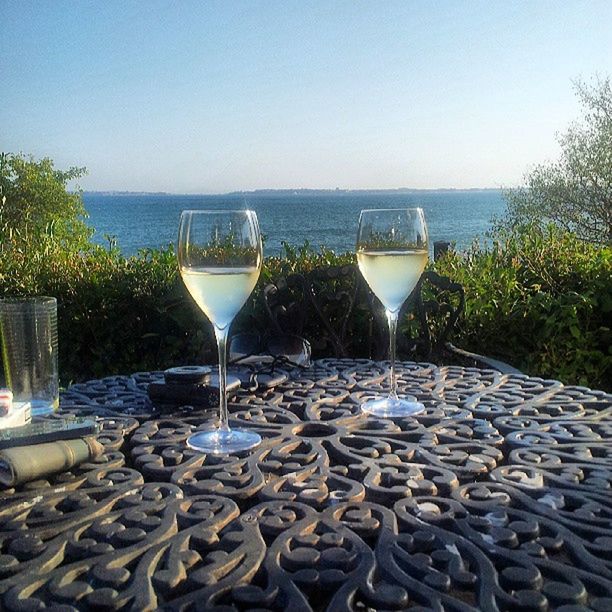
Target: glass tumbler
28, 335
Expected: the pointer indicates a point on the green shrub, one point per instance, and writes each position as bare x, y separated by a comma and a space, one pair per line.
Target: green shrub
36, 210
115, 314
540, 299
121, 314
302, 259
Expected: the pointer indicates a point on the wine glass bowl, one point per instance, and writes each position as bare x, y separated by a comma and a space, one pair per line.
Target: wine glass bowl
392, 252
220, 258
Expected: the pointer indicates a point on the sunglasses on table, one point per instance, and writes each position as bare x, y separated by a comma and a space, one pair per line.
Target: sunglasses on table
260, 362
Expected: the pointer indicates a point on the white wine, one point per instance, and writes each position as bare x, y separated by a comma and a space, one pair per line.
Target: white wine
393, 274
220, 292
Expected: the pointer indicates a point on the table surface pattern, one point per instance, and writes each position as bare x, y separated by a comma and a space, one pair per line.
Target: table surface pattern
497, 497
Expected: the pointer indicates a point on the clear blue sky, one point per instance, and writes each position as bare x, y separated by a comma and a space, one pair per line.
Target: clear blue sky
208, 97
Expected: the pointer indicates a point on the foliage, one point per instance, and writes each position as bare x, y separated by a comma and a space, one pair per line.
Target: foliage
37, 213
118, 314
228, 254
540, 299
574, 192
115, 314
302, 259
297, 260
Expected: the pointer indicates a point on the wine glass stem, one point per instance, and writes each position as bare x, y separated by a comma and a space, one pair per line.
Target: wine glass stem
392, 319
221, 335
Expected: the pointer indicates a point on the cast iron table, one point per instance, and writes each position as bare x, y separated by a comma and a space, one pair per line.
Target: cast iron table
497, 497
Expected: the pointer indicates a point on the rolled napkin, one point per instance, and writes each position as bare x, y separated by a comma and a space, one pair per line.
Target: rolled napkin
24, 463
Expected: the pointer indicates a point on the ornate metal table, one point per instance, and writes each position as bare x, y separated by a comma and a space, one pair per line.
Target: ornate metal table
497, 497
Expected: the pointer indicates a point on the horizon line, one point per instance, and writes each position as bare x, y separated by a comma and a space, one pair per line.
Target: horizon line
296, 190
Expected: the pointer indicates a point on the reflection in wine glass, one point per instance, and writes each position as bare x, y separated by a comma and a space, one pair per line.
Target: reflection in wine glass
220, 257
392, 252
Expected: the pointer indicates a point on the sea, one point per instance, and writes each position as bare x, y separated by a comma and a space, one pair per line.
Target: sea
329, 219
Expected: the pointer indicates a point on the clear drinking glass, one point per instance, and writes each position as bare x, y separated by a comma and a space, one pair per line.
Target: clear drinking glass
392, 251
28, 336
220, 257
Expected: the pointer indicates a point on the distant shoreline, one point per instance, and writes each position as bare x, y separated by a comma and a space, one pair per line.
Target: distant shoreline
294, 192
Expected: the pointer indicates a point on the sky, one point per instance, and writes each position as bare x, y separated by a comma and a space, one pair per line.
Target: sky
210, 97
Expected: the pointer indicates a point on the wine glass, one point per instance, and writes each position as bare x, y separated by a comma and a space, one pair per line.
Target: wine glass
220, 257
392, 250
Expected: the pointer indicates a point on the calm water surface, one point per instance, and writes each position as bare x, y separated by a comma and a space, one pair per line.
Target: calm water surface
140, 221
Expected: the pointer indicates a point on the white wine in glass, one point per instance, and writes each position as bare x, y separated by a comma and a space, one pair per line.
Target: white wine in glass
392, 252
220, 257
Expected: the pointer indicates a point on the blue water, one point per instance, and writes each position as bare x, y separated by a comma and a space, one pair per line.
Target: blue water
139, 221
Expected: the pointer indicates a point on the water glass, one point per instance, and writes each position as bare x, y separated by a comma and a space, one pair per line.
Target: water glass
28, 335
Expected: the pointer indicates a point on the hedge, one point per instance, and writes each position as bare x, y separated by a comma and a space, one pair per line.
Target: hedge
540, 300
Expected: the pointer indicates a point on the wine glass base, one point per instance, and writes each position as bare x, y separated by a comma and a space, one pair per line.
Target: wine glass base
385, 407
220, 442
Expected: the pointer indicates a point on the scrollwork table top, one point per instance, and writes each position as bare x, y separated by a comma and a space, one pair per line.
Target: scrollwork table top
497, 497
